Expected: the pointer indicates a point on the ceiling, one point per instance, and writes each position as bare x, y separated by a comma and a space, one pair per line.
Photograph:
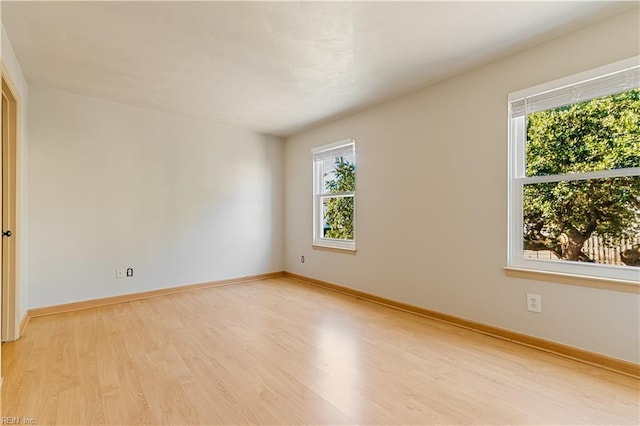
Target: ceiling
273, 67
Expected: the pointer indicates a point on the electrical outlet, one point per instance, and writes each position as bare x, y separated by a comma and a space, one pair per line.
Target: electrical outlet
129, 272
120, 273
301, 259
534, 302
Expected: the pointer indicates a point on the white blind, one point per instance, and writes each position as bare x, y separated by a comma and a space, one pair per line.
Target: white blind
348, 149
610, 84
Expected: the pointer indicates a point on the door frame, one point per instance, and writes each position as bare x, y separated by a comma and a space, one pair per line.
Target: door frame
10, 211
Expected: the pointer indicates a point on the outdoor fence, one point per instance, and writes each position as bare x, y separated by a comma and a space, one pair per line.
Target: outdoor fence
596, 249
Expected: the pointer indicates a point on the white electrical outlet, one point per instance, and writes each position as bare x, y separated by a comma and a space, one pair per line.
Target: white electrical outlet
120, 273
534, 302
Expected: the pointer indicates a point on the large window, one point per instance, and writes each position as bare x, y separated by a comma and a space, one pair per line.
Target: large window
574, 166
334, 193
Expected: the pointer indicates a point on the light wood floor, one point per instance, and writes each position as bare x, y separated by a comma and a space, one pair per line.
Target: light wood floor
280, 352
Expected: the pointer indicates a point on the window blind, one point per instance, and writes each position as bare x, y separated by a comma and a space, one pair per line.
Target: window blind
348, 149
610, 84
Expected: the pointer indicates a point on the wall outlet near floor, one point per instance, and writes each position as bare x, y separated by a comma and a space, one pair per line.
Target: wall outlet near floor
301, 259
534, 302
124, 272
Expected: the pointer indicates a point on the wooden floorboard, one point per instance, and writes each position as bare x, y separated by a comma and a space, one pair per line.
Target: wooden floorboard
277, 352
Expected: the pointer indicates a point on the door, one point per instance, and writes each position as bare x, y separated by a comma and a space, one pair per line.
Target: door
4, 126
5, 138
8, 312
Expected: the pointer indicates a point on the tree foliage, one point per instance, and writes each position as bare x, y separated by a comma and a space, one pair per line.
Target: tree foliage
338, 215
599, 134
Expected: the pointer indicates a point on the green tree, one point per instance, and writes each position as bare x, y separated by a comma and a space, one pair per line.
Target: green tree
599, 134
338, 215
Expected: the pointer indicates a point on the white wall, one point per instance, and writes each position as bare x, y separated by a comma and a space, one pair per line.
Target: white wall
20, 85
432, 201
181, 201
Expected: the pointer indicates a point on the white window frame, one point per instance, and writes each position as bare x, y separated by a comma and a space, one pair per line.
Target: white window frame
319, 193
518, 178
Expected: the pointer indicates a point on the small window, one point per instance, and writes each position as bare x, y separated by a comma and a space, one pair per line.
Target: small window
334, 195
574, 175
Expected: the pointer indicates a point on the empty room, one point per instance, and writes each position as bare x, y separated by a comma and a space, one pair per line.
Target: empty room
330, 213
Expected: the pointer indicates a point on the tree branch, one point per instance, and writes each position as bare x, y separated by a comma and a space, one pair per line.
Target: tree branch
591, 226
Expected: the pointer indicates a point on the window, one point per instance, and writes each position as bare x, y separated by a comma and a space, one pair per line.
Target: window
574, 174
334, 193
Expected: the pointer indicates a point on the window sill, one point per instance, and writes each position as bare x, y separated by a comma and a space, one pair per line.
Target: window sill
577, 280
334, 249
